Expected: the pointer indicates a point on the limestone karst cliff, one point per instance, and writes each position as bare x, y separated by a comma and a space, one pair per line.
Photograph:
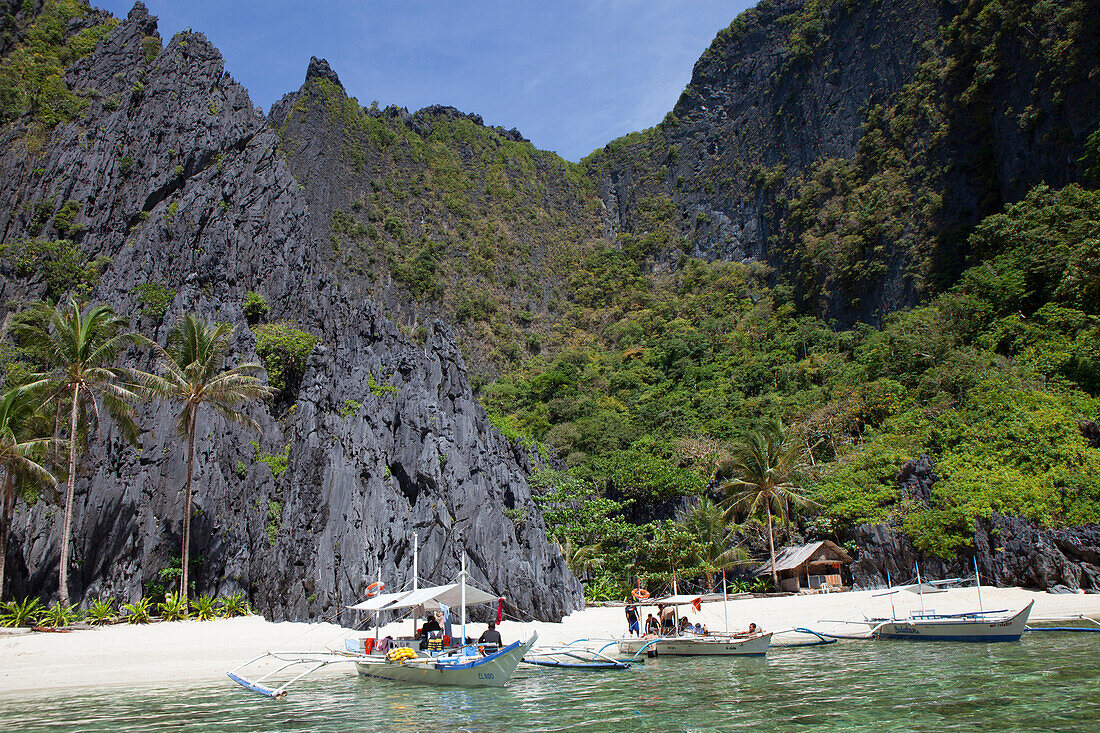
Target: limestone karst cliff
178, 183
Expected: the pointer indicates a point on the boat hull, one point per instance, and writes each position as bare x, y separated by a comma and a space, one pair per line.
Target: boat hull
492, 671
956, 629
686, 646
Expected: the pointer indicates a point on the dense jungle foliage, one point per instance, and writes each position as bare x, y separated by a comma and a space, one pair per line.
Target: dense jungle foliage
991, 379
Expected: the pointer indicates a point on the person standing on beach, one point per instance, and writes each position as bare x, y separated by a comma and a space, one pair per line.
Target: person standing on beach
632, 620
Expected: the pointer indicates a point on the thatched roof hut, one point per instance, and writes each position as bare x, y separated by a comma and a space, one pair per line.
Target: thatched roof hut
815, 565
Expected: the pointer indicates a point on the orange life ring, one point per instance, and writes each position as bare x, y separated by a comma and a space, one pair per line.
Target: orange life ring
375, 588
640, 594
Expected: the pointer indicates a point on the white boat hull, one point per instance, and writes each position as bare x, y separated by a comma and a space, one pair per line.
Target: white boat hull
944, 628
701, 646
492, 671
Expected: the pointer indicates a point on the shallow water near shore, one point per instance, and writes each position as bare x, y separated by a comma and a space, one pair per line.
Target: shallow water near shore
1047, 682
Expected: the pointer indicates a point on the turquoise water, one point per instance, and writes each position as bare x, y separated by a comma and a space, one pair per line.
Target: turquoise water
1047, 682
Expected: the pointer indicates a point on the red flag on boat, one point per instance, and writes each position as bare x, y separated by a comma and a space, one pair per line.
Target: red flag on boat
500, 610
698, 604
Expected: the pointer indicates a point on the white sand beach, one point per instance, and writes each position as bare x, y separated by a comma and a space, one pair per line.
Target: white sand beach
202, 651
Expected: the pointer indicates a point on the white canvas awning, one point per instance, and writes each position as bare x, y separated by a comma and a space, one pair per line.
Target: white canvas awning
680, 600
430, 598
377, 603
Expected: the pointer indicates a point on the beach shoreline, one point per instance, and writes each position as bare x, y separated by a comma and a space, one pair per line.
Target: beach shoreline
200, 652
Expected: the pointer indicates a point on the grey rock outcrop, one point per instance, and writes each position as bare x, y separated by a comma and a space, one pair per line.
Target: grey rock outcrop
1009, 552
180, 184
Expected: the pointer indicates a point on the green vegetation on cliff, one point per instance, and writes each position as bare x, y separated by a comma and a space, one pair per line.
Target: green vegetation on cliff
991, 379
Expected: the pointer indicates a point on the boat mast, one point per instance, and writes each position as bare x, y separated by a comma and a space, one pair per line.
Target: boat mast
462, 580
378, 614
416, 572
920, 586
725, 608
978, 584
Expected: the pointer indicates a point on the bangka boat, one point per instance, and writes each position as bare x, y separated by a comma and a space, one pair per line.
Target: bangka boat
691, 644
699, 646
927, 625
455, 663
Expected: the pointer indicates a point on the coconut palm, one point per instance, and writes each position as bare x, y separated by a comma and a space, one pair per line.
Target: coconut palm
79, 348
764, 465
17, 456
582, 559
713, 547
192, 372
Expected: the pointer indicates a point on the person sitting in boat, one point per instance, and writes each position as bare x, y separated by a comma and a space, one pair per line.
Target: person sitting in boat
700, 629
652, 626
753, 631
489, 641
632, 621
430, 629
685, 625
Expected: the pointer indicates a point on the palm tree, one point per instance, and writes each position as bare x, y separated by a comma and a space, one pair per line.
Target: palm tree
78, 349
582, 559
710, 527
193, 373
17, 408
764, 465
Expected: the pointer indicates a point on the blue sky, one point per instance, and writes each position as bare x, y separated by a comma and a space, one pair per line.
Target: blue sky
570, 75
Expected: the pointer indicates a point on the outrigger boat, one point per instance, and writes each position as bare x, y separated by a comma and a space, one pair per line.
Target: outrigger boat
927, 625
694, 644
455, 664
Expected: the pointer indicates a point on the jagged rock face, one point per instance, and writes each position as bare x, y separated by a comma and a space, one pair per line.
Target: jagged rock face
180, 184
1010, 552
433, 212
754, 103
916, 478
790, 86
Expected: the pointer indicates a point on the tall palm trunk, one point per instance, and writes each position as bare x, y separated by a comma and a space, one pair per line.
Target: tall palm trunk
66, 525
7, 502
185, 554
771, 546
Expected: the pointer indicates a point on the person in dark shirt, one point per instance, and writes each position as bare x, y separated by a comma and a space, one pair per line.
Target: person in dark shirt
632, 621
428, 630
652, 626
490, 641
430, 625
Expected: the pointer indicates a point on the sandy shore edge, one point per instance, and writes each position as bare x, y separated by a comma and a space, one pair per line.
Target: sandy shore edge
197, 652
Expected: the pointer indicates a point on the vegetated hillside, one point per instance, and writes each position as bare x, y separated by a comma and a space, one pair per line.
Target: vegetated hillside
830, 164
435, 214
854, 146
140, 175
870, 154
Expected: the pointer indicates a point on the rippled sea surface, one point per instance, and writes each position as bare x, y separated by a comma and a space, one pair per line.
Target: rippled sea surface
1047, 682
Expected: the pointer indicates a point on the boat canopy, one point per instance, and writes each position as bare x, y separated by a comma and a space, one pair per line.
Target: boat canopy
430, 598
680, 600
